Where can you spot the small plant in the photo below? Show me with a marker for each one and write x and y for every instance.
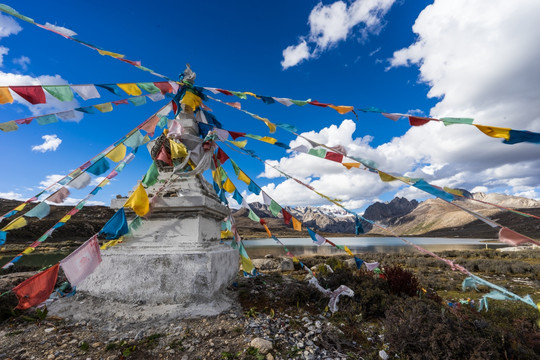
(111, 346)
(228, 355)
(84, 346)
(129, 350)
(238, 330)
(401, 281)
(251, 313)
(177, 344)
(252, 352)
(152, 340)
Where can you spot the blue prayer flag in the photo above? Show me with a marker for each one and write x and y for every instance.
(116, 226)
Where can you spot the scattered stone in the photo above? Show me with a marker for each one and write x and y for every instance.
(139, 335)
(383, 355)
(264, 346)
(48, 330)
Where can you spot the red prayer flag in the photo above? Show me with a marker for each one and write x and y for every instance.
(226, 92)
(123, 101)
(513, 238)
(134, 63)
(32, 94)
(164, 86)
(150, 125)
(316, 103)
(165, 156)
(418, 121)
(333, 156)
(286, 216)
(35, 290)
(24, 121)
(222, 157)
(235, 135)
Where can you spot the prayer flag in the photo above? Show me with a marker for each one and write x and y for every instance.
(254, 188)
(105, 107)
(86, 91)
(236, 196)
(347, 250)
(81, 181)
(138, 100)
(349, 166)
(40, 210)
(46, 119)
(386, 177)
(59, 196)
(283, 101)
(86, 109)
(32, 94)
(150, 125)
(241, 144)
(286, 216)
(149, 87)
(228, 186)
(62, 92)
(99, 167)
(178, 150)
(35, 290)
(496, 132)
(15, 224)
(318, 239)
(341, 108)
(116, 226)
(297, 225)
(267, 200)
(164, 86)
(517, 136)
(222, 156)
(253, 216)
(138, 201)
(112, 88)
(359, 262)
(243, 177)
(430, 189)
(235, 135)
(371, 266)
(135, 140)
(450, 121)
(3, 236)
(317, 152)
(5, 95)
(8, 126)
(130, 89)
(82, 262)
(275, 209)
(110, 53)
(418, 121)
(333, 156)
(513, 238)
(191, 100)
(66, 115)
(394, 117)
(118, 153)
(156, 97)
(300, 102)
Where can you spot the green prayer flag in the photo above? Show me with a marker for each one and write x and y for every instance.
(256, 137)
(253, 216)
(151, 176)
(222, 174)
(149, 87)
(162, 122)
(300, 102)
(13, 12)
(235, 167)
(138, 100)
(275, 209)
(62, 93)
(317, 152)
(239, 94)
(46, 119)
(451, 121)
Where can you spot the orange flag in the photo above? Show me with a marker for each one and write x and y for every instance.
(35, 290)
(297, 225)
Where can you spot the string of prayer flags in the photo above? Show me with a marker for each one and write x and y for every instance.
(138, 201)
(70, 35)
(82, 262)
(35, 290)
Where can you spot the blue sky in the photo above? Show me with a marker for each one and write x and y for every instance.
(459, 59)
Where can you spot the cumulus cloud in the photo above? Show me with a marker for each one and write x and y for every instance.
(332, 23)
(51, 143)
(8, 26)
(22, 61)
(50, 179)
(12, 196)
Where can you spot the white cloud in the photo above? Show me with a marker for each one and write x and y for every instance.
(12, 196)
(51, 143)
(295, 54)
(50, 179)
(332, 23)
(8, 26)
(22, 61)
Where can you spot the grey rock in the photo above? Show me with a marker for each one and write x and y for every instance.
(264, 346)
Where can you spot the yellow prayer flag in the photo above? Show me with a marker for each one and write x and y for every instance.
(453, 191)
(216, 178)
(130, 89)
(111, 243)
(243, 177)
(20, 207)
(240, 144)
(270, 125)
(15, 224)
(295, 260)
(252, 94)
(226, 234)
(28, 250)
(5, 95)
(228, 186)
(349, 166)
(65, 219)
(178, 151)
(342, 109)
(267, 230)
(386, 177)
(110, 53)
(138, 201)
(118, 153)
(247, 265)
(297, 225)
(496, 132)
(268, 139)
(347, 250)
(105, 107)
(191, 100)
